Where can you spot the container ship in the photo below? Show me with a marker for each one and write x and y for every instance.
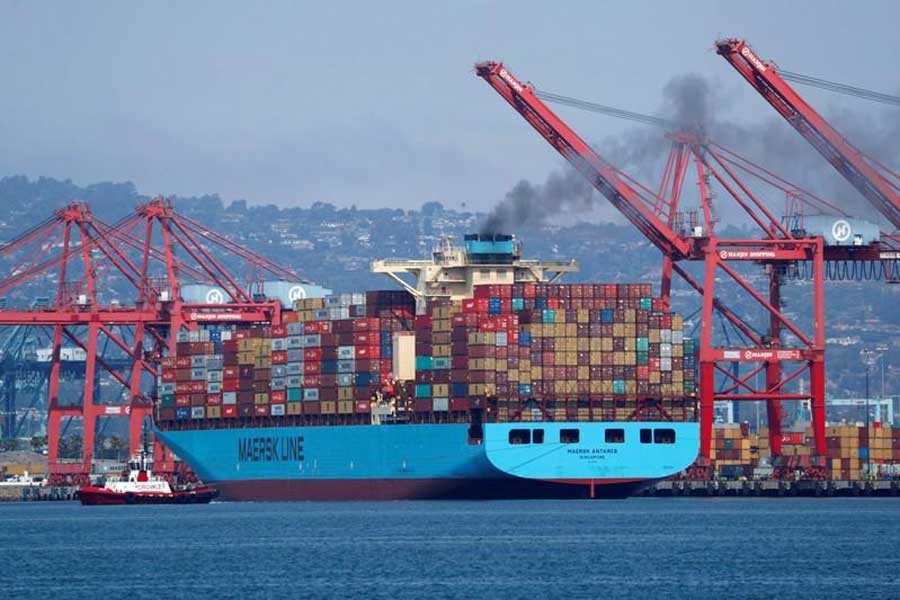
(482, 376)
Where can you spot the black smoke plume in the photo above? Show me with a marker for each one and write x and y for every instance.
(694, 104)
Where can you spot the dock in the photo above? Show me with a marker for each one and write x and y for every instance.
(775, 488)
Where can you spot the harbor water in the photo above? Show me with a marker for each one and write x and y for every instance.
(636, 548)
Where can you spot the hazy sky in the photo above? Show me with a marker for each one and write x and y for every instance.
(374, 103)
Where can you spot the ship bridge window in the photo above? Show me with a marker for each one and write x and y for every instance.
(615, 436)
(519, 436)
(646, 436)
(569, 436)
(537, 436)
(664, 436)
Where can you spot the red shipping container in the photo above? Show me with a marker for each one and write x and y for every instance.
(362, 406)
(313, 380)
(482, 292)
(278, 396)
(312, 354)
(213, 399)
(279, 357)
(229, 385)
(261, 410)
(459, 404)
(312, 408)
(167, 362)
(182, 399)
(230, 372)
(794, 438)
(168, 376)
(183, 362)
(367, 352)
(311, 367)
(279, 331)
(198, 387)
(230, 410)
(366, 338)
(365, 324)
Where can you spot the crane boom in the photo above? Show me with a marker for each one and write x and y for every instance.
(852, 164)
(580, 155)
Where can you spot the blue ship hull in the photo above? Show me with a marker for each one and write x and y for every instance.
(369, 462)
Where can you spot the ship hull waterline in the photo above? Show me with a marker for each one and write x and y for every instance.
(431, 461)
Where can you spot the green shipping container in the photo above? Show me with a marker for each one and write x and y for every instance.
(294, 394)
(423, 390)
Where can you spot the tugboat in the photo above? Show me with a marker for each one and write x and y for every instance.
(142, 487)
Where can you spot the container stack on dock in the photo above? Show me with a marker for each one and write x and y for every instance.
(736, 451)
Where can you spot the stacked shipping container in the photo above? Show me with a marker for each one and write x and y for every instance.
(582, 352)
(325, 358)
(736, 450)
(521, 351)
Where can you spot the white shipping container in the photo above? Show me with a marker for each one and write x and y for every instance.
(277, 410)
(441, 404)
(294, 368)
(229, 397)
(404, 347)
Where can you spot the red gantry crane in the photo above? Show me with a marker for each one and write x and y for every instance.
(781, 350)
(875, 181)
(154, 251)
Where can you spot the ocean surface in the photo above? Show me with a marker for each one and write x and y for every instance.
(637, 548)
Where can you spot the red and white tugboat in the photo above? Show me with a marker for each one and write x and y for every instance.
(141, 487)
